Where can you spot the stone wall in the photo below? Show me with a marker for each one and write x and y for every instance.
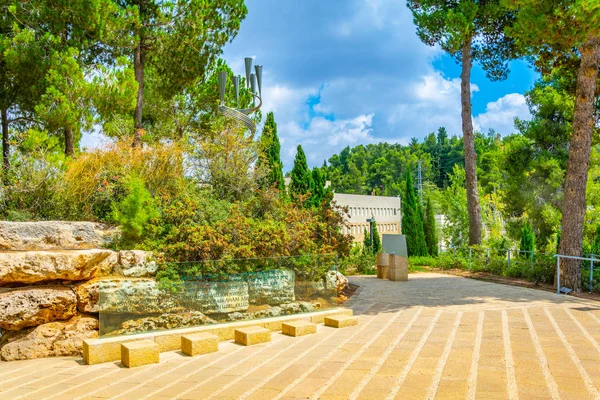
(49, 274)
(58, 286)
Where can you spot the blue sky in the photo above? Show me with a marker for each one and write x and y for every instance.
(346, 72)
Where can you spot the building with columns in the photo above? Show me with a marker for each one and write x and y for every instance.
(384, 209)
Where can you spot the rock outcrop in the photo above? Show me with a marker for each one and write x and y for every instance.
(88, 296)
(43, 266)
(164, 321)
(31, 306)
(53, 339)
(54, 235)
(136, 264)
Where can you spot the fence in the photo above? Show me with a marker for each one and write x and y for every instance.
(534, 266)
(592, 259)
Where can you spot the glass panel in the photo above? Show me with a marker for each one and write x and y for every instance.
(212, 292)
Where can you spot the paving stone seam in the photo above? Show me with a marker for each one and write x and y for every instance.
(472, 382)
(142, 370)
(359, 353)
(68, 378)
(583, 330)
(437, 376)
(413, 357)
(543, 362)
(13, 371)
(511, 380)
(28, 382)
(589, 384)
(285, 349)
(365, 381)
(594, 317)
(297, 342)
(230, 367)
(286, 365)
(189, 362)
(321, 361)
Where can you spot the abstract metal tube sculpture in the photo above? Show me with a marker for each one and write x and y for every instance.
(253, 83)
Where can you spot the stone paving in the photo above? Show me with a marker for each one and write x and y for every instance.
(436, 336)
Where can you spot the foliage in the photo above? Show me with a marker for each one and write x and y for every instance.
(376, 239)
(359, 262)
(134, 211)
(412, 222)
(270, 155)
(527, 240)
(430, 229)
(301, 184)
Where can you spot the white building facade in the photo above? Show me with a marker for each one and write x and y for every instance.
(385, 210)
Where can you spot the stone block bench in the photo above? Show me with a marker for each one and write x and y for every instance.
(108, 349)
(252, 335)
(341, 321)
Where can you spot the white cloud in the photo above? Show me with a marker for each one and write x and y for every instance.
(500, 114)
(323, 137)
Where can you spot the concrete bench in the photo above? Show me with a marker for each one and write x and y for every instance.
(298, 328)
(341, 321)
(200, 343)
(143, 352)
(252, 335)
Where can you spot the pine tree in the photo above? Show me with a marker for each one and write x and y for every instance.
(527, 240)
(412, 223)
(301, 178)
(271, 155)
(430, 229)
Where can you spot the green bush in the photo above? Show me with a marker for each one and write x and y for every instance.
(359, 262)
(134, 211)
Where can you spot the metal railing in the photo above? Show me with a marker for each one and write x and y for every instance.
(593, 258)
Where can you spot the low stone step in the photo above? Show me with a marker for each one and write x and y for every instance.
(252, 335)
(200, 343)
(341, 321)
(298, 328)
(136, 354)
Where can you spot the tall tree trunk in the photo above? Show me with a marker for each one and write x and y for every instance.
(5, 142)
(138, 67)
(574, 206)
(469, 142)
(69, 142)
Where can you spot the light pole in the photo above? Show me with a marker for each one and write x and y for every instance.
(253, 84)
(370, 221)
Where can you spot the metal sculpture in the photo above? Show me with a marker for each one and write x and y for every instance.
(253, 83)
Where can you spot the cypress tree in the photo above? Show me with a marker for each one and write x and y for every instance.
(430, 230)
(366, 242)
(271, 155)
(301, 182)
(527, 240)
(412, 223)
(376, 239)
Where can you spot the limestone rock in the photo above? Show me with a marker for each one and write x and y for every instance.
(87, 296)
(341, 282)
(54, 235)
(110, 265)
(136, 264)
(54, 339)
(271, 287)
(135, 296)
(42, 266)
(164, 321)
(31, 306)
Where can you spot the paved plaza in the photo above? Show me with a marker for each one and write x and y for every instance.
(436, 336)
